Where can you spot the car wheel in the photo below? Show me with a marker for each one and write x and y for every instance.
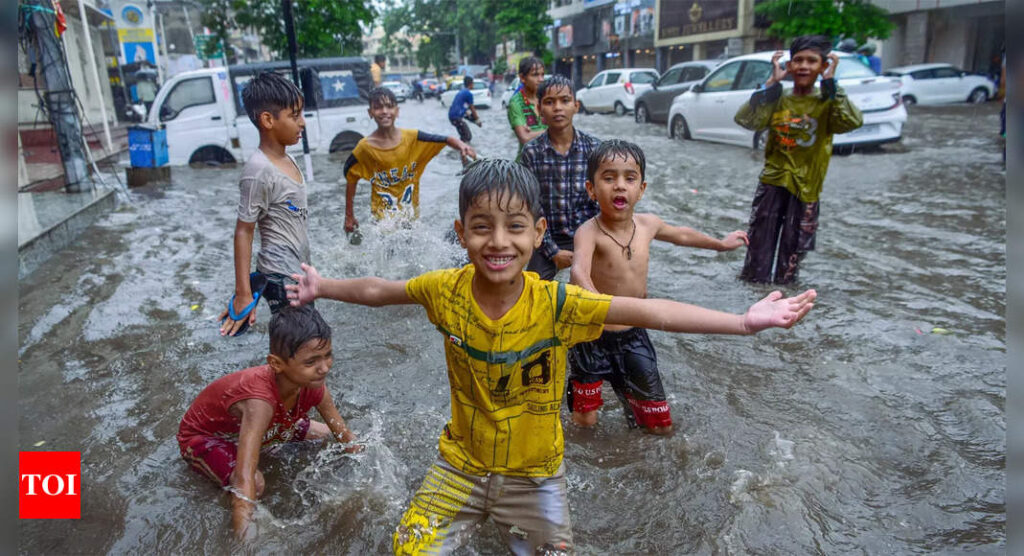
(679, 129)
(620, 109)
(641, 115)
(760, 140)
(211, 155)
(978, 96)
(909, 100)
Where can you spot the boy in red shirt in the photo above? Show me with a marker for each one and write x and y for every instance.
(224, 429)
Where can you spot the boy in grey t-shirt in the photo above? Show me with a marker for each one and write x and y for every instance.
(273, 198)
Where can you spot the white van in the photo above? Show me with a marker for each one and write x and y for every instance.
(205, 121)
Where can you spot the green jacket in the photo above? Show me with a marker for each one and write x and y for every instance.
(800, 130)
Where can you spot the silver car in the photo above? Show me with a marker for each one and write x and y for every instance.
(653, 104)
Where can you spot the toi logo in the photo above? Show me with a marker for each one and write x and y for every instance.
(49, 485)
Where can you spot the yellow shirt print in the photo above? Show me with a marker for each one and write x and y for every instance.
(507, 376)
(394, 174)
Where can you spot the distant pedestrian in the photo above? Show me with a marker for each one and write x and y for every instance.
(462, 109)
(377, 69)
(866, 52)
(522, 107)
(800, 125)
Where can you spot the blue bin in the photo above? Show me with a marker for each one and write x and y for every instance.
(147, 147)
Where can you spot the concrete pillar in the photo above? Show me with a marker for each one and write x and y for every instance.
(659, 59)
(577, 72)
(629, 58)
(915, 45)
(698, 51)
(600, 62)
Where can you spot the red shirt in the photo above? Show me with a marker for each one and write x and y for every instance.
(208, 415)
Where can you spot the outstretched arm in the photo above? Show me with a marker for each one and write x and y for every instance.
(465, 150)
(663, 314)
(583, 256)
(688, 237)
(371, 291)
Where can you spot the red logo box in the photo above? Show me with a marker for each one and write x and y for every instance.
(49, 485)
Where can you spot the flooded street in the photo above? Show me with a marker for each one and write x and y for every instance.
(875, 426)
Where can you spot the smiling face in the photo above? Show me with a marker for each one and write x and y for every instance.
(308, 368)
(286, 125)
(384, 113)
(618, 185)
(558, 107)
(805, 66)
(499, 235)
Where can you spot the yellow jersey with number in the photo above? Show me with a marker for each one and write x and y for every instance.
(507, 376)
(394, 174)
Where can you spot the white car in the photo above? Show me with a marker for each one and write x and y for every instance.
(707, 110)
(397, 87)
(941, 83)
(481, 94)
(615, 90)
(511, 90)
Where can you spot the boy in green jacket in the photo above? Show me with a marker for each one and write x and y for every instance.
(800, 126)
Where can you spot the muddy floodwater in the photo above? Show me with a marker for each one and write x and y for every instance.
(876, 426)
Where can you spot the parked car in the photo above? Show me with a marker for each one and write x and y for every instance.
(615, 90)
(399, 88)
(205, 120)
(481, 94)
(707, 110)
(653, 104)
(941, 83)
(431, 87)
(511, 90)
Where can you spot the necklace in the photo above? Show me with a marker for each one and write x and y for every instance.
(627, 249)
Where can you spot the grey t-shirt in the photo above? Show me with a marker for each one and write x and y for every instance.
(277, 204)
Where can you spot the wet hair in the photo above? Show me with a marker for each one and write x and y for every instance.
(527, 64)
(503, 178)
(269, 92)
(379, 58)
(612, 149)
(819, 43)
(382, 96)
(292, 327)
(467, 82)
(556, 81)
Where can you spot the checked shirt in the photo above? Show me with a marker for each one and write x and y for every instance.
(563, 190)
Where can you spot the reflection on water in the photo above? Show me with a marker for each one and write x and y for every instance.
(857, 431)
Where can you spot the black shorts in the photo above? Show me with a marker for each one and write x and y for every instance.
(627, 360)
(271, 288)
(463, 128)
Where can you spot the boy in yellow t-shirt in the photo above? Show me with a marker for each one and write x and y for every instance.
(392, 160)
(506, 336)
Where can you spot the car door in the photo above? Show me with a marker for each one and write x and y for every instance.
(923, 89)
(588, 96)
(606, 92)
(661, 97)
(752, 75)
(192, 118)
(704, 111)
(948, 85)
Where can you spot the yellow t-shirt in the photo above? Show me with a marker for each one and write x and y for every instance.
(394, 174)
(507, 376)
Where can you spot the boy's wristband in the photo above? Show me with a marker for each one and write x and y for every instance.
(828, 88)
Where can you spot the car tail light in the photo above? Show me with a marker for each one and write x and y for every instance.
(629, 87)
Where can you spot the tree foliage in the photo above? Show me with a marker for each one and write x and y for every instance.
(479, 24)
(322, 27)
(859, 19)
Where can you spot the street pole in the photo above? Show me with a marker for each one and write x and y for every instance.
(289, 29)
(95, 74)
(156, 47)
(60, 98)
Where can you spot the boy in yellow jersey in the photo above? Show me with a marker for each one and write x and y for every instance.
(506, 337)
(392, 160)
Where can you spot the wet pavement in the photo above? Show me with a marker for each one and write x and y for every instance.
(876, 426)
